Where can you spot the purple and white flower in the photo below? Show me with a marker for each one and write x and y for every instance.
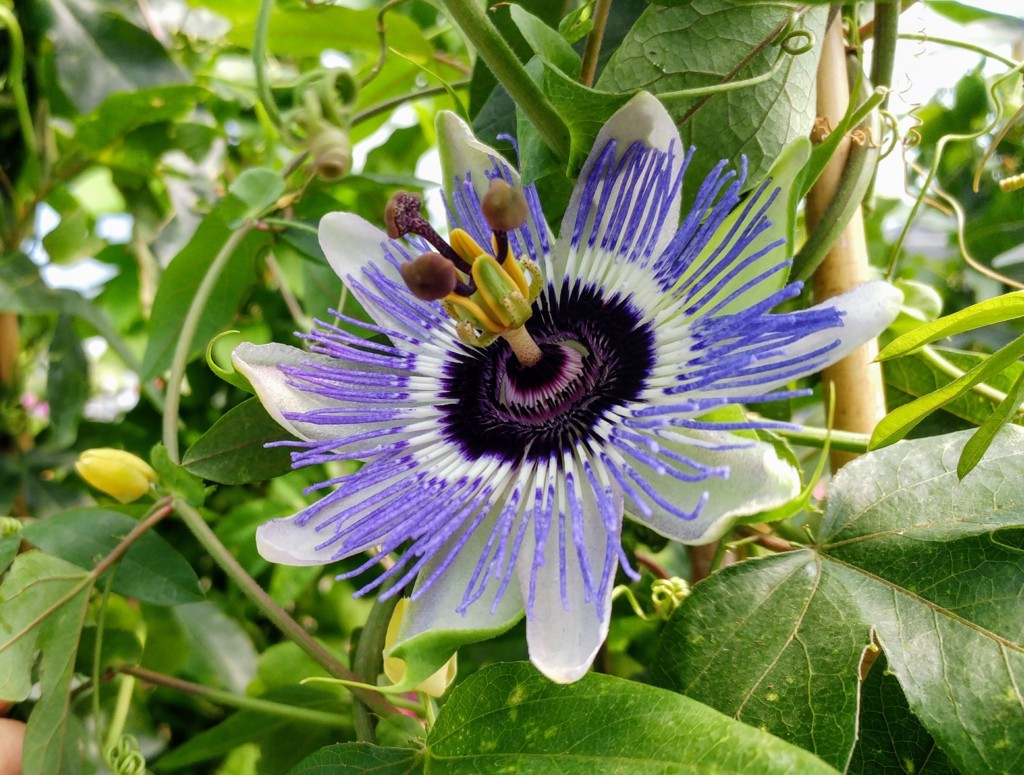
(504, 486)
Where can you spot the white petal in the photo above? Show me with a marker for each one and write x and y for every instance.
(357, 251)
(648, 213)
(289, 542)
(435, 607)
(463, 158)
(564, 635)
(758, 480)
(866, 311)
(260, 362)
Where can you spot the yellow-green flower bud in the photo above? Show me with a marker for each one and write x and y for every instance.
(394, 668)
(119, 474)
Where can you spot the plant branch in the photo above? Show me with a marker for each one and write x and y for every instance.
(259, 60)
(277, 615)
(188, 332)
(501, 59)
(240, 701)
(593, 47)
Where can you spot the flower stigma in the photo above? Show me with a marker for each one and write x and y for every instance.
(494, 295)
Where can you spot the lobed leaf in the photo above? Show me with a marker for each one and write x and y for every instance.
(907, 555)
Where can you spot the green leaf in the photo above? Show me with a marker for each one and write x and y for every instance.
(891, 741)
(982, 439)
(98, 52)
(962, 13)
(67, 383)
(182, 278)
(219, 651)
(306, 30)
(233, 451)
(175, 479)
(905, 554)
(901, 420)
(52, 743)
(546, 42)
(283, 740)
(151, 570)
(510, 718)
(659, 55)
(259, 188)
(1009, 306)
(9, 550)
(122, 113)
(33, 590)
(359, 758)
(119, 647)
(916, 375)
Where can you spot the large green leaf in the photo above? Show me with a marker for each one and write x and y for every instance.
(44, 601)
(757, 121)
(233, 452)
(510, 718)
(359, 758)
(890, 740)
(151, 570)
(99, 52)
(906, 555)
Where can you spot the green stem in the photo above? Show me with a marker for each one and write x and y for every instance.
(719, 88)
(883, 58)
(16, 77)
(960, 44)
(277, 615)
(845, 441)
(188, 333)
(259, 60)
(118, 719)
(240, 701)
(368, 658)
(932, 356)
(97, 653)
(502, 61)
(286, 224)
(593, 47)
(388, 105)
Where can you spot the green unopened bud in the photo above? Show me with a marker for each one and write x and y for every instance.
(504, 207)
(394, 668)
(430, 277)
(119, 474)
(9, 526)
(331, 152)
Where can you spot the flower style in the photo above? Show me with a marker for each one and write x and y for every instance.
(504, 466)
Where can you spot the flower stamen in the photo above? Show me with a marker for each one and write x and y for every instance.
(495, 299)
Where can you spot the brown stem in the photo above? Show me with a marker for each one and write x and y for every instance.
(593, 47)
(859, 389)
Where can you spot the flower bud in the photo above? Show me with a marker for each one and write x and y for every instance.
(331, 152)
(504, 207)
(430, 277)
(119, 474)
(394, 668)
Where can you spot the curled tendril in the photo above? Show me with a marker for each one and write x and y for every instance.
(790, 46)
(123, 757)
(9, 526)
(894, 132)
(668, 594)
